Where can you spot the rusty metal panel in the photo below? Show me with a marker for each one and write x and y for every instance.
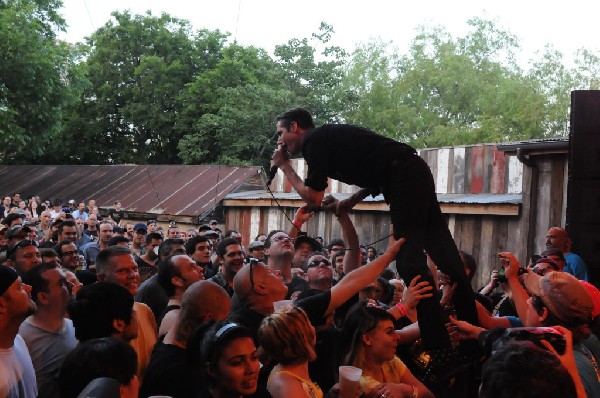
(160, 189)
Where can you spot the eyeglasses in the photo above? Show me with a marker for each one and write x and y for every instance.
(282, 238)
(70, 253)
(316, 263)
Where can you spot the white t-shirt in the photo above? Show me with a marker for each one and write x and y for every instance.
(17, 377)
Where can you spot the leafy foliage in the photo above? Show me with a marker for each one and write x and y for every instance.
(150, 89)
(32, 88)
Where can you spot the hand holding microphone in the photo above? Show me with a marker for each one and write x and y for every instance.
(280, 156)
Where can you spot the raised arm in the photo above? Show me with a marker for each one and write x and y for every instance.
(349, 236)
(347, 204)
(356, 280)
(519, 294)
(303, 214)
(281, 159)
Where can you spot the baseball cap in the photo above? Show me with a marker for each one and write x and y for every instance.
(212, 222)
(18, 231)
(211, 233)
(316, 247)
(563, 294)
(72, 202)
(256, 244)
(7, 276)
(150, 222)
(595, 295)
(140, 226)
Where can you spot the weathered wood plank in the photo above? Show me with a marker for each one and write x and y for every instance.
(468, 169)
(458, 179)
(515, 175)
(443, 169)
(477, 169)
(497, 183)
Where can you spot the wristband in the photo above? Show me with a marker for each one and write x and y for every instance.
(402, 309)
(297, 224)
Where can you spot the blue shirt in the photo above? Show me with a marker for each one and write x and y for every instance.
(576, 267)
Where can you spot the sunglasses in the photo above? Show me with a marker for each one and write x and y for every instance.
(252, 262)
(20, 244)
(316, 263)
(26, 242)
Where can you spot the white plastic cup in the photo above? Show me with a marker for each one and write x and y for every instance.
(349, 381)
(282, 304)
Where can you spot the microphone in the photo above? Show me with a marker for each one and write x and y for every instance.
(273, 169)
(272, 174)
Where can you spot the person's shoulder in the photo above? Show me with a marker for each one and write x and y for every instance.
(572, 257)
(142, 309)
(284, 384)
(19, 343)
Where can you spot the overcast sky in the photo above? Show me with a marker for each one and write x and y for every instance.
(264, 23)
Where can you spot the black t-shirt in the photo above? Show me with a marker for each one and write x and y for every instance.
(323, 370)
(153, 295)
(93, 233)
(86, 277)
(168, 373)
(351, 154)
(315, 307)
(296, 285)
(117, 216)
(145, 270)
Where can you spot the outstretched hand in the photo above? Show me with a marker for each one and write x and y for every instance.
(344, 206)
(415, 292)
(329, 203)
(462, 330)
(303, 214)
(394, 245)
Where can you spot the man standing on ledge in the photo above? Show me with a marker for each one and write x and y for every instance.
(377, 164)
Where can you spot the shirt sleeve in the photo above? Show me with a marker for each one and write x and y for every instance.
(315, 307)
(317, 160)
(515, 321)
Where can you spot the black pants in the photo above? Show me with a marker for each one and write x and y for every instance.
(416, 216)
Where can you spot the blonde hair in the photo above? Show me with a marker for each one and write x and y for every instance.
(287, 336)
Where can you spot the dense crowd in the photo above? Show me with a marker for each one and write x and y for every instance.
(98, 307)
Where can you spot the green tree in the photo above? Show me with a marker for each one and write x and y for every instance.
(446, 91)
(138, 68)
(314, 77)
(241, 132)
(240, 98)
(32, 69)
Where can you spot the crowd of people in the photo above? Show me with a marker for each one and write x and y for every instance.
(96, 309)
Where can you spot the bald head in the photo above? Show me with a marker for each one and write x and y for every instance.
(203, 301)
(242, 286)
(557, 237)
